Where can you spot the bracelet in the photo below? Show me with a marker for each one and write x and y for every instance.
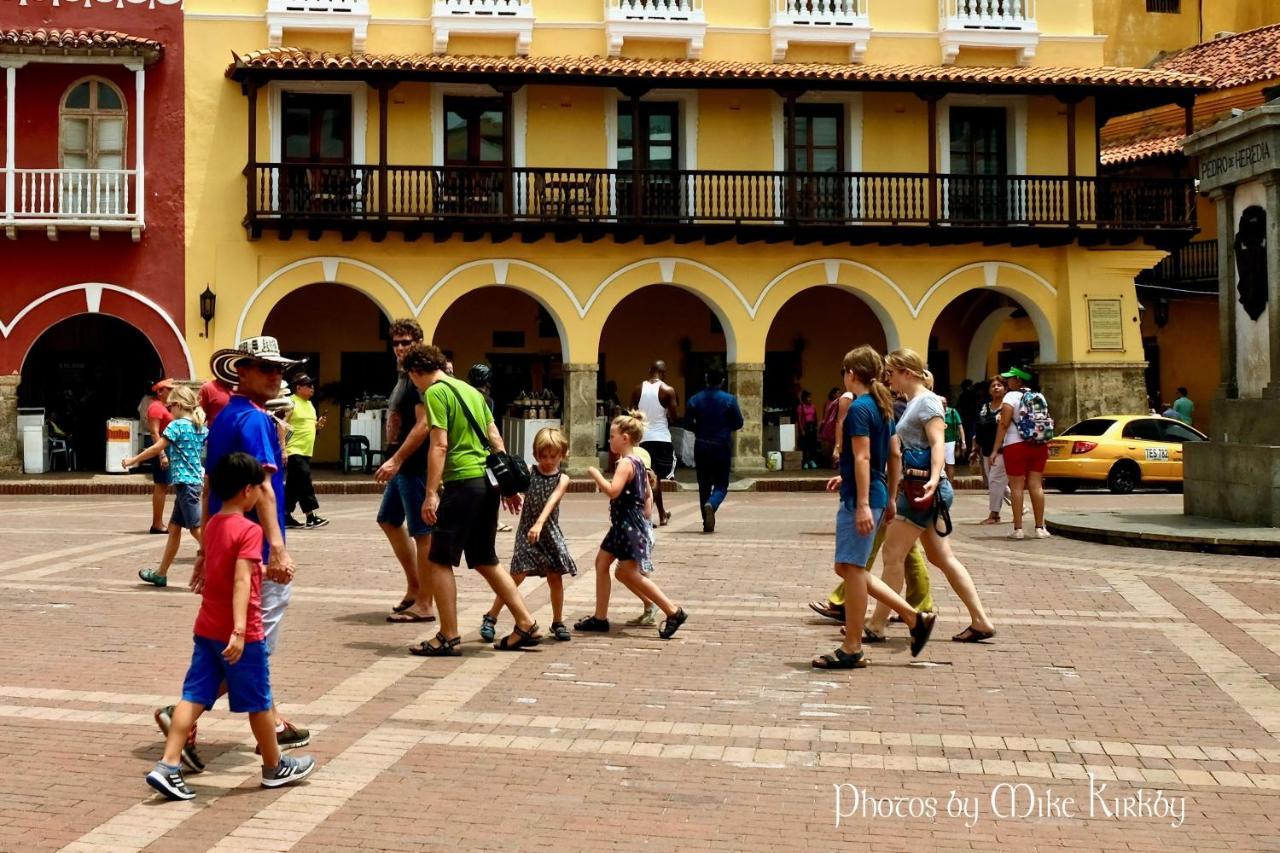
(238, 634)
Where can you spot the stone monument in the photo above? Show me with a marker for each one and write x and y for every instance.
(1236, 475)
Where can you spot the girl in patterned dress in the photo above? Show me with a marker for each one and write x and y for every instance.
(540, 548)
(628, 539)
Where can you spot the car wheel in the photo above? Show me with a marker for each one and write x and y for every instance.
(1067, 487)
(1124, 477)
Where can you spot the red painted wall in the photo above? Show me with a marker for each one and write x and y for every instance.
(32, 265)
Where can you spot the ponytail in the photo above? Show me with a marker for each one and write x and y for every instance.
(866, 364)
(884, 400)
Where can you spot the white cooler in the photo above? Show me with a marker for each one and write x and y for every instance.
(34, 459)
(120, 440)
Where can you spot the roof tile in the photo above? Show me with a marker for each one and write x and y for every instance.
(1134, 150)
(89, 41)
(1231, 61)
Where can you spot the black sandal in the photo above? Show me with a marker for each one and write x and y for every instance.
(447, 648)
(869, 636)
(972, 635)
(840, 659)
(920, 633)
(405, 604)
(524, 639)
(560, 632)
(591, 623)
(672, 624)
(827, 609)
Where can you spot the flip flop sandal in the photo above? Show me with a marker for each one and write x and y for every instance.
(869, 636)
(672, 624)
(840, 659)
(591, 623)
(560, 632)
(406, 618)
(920, 633)
(488, 624)
(446, 649)
(524, 639)
(824, 608)
(989, 520)
(405, 604)
(972, 635)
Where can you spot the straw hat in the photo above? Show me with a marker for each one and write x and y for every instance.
(262, 348)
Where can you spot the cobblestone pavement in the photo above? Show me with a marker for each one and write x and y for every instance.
(1142, 671)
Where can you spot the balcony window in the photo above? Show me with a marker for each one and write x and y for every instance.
(482, 18)
(655, 20)
(843, 23)
(318, 16)
(988, 24)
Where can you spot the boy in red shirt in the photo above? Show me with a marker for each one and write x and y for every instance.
(229, 635)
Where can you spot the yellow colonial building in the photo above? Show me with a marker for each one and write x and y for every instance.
(569, 189)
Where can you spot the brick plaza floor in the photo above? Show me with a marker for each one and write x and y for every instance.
(1144, 670)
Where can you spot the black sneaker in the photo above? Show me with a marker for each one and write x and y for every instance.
(292, 737)
(291, 523)
(170, 783)
(289, 771)
(191, 758)
(314, 521)
(708, 518)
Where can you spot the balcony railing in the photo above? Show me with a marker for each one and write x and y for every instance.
(832, 22)
(419, 198)
(66, 196)
(318, 15)
(482, 18)
(988, 24)
(661, 20)
(1194, 268)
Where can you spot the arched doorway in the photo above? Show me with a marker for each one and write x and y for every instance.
(514, 334)
(664, 322)
(84, 370)
(978, 334)
(807, 340)
(343, 335)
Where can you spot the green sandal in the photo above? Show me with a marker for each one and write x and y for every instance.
(153, 578)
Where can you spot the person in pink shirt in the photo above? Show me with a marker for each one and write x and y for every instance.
(215, 394)
(807, 430)
(158, 417)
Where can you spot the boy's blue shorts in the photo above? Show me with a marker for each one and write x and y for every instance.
(248, 680)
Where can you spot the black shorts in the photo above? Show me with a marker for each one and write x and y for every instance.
(466, 523)
(663, 456)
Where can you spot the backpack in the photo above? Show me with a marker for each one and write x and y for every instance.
(827, 432)
(1032, 419)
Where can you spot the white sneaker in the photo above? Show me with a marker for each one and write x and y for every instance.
(1017, 534)
(1043, 533)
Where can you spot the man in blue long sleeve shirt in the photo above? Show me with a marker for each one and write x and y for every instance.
(714, 416)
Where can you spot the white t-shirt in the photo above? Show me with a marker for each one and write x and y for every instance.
(1012, 399)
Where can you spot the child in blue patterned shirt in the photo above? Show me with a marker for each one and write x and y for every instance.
(183, 442)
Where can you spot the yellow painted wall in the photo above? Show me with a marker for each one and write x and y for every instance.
(1138, 37)
(1189, 353)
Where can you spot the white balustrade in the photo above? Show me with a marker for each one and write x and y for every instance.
(658, 20)
(482, 18)
(988, 24)
(75, 196)
(482, 7)
(318, 15)
(833, 13)
(331, 7)
(89, 4)
(842, 23)
(656, 10)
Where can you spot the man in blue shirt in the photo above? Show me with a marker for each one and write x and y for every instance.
(715, 417)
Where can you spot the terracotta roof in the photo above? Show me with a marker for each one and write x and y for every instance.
(294, 59)
(1131, 151)
(71, 42)
(1231, 61)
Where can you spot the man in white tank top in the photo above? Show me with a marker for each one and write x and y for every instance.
(657, 401)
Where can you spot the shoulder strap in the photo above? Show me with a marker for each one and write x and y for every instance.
(475, 427)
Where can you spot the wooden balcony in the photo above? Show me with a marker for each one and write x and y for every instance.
(1192, 269)
(714, 206)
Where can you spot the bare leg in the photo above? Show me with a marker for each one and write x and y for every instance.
(604, 560)
(939, 553)
(444, 587)
(1016, 487)
(897, 542)
(855, 605)
(158, 493)
(171, 545)
(423, 604)
(555, 583)
(185, 715)
(197, 533)
(263, 724)
(1035, 485)
(496, 609)
(629, 575)
(402, 547)
(501, 582)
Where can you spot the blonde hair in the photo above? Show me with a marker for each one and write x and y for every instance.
(631, 425)
(550, 438)
(928, 379)
(910, 361)
(867, 365)
(185, 399)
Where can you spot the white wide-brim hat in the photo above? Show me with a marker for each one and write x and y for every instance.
(263, 348)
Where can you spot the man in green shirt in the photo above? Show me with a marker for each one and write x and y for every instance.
(1184, 407)
(953, 436)
(464, 519)
(299, 449)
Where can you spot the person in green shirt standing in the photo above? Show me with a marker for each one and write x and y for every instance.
(953, 436)
(298, 488)
(462, 501)
(1184, 407)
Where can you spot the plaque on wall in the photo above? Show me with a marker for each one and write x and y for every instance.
(1251, 261)
(1106, 324)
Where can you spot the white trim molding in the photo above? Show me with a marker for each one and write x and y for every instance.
(687, 100)
(319, 16)
(998, 24)
(843, 23)
(359, 93)
(519, 121)
(482, 18)
(668, 20)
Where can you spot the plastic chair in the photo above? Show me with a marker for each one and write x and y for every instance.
(61, 447)
(357, 446)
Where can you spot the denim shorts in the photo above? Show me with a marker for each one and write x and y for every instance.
(159, 473)
(402, 501)
(186, 506)
(248, 679)
(924, 518)
(851, 546)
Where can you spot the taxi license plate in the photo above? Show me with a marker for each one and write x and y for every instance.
(1158, 454)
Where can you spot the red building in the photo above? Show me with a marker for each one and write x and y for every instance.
(91, 259)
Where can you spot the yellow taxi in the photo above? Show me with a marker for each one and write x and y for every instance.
(1123, 451)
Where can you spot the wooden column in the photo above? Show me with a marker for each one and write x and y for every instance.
(1073, 190)
(508, 147)
(789, 146)
(931, 101)
(636, 135)
(251, 168)
(383, 204)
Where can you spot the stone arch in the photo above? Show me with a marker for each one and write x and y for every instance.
(139, 311)
(385, 292)
(547, 289)
(880, 293)
(715, 289)
(1036, 295)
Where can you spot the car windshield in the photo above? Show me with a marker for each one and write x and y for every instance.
(1179, 433)
(1093, 426)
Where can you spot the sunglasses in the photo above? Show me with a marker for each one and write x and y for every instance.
(404, 342)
